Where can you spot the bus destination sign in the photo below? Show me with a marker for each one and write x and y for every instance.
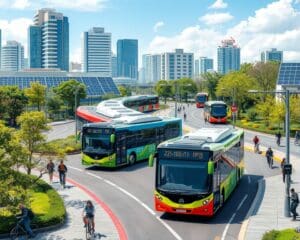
(173, 154)
(100, 131)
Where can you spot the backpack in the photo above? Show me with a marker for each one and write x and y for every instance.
(61, 168)
(30, 214)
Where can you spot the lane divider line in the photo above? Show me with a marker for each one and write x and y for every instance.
(145, 206)
(120, 229)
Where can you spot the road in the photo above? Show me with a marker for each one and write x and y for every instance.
(129, 193)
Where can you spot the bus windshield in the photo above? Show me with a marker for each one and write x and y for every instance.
(183, 176)
(96, 140)
(218, 110)
(202, 98)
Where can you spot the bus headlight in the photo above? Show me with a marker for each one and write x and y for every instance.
(205, 202)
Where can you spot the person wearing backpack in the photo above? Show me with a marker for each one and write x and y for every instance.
(26, 217)
(294, 203)
(62, 170)
(50, 169)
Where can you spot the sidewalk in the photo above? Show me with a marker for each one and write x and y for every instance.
(74, 195)
(267, 212)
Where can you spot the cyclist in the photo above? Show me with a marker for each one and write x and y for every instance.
(269, 155)
(25, 220)
(278, 137)
(256, 144)
(89, 213)
(184, 116)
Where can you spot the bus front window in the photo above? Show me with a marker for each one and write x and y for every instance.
(218, 110)
(96, 144)
(183, 176)
(201, 99)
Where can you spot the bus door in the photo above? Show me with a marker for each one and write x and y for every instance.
(160, 135)
(121, 148)
(216, 184)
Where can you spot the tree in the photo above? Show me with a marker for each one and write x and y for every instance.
(210, 82)
(69, 90)
(295, 109)
(235, 86)
(30, 135)
(277, 115)
(54, 104)
(124, 91)
(36, 94)
(186, 87)
(163, 89)
(265, 109)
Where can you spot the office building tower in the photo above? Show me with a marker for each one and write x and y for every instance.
(156, 68)
(127, 58)
(12, 56)
(176, 65)
(228, 56)
(151, 65)
(75, 67)
(203, 65)
(272, 55)
(96, 48)
(0, 46)
(114, 66)
(48, 40)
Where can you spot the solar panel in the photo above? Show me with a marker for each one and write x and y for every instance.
(96, 86)
(289, 74)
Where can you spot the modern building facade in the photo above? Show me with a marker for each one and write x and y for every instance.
(96, 48)
(114, 66)
(151, 65)
(12, 56)
(272, 55)
(0, 46)
(48, 40)
(229, 58)
(176, 65)
(203, 65)
(127, 58)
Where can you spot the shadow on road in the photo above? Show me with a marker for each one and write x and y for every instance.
(126, 168)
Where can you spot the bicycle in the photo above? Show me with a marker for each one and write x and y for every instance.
(18, 232)
(89, 231)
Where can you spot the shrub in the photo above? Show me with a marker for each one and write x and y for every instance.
(288, 234)
(252, 114)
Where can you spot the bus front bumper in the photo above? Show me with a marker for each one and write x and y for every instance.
(109, 161)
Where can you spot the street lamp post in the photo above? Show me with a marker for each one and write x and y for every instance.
(75, 107)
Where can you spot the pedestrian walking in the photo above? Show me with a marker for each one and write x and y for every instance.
(62, 170)
(278, 138)
(294, 203)
(297, 137)
(269, 155)
(256, 144)
(282, 169)
(50, 169)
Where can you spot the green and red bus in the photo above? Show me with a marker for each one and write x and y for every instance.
(200, 99)
(142, 103)
(195, 174)
(215, 112)
(126, 140)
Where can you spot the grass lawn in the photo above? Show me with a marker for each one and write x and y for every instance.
(288, 234)
(46, 204)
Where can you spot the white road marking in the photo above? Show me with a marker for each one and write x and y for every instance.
(249, 180)
(75, 168)
(167, 226)
(232, 217)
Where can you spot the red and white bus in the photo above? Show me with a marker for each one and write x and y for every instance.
(215, 112)
(143, 103)
(200, 99)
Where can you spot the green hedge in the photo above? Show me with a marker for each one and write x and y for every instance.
(288, 234)
(68, 144)
(54, 207)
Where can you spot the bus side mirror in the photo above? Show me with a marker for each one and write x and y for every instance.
(112, 138)
(151, 160)
(210, 167)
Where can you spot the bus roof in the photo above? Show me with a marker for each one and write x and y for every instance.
(139, 97)
(209, 103)
(202, 93)
(134, 121)
(205, 139)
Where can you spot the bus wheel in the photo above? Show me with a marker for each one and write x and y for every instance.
(222, 200)
(132, 159)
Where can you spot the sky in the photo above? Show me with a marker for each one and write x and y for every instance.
(197, 26)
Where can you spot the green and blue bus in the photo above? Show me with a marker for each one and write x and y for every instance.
(196, 173)
(126, 140)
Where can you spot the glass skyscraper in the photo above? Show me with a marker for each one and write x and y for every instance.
(48, 40)
(0, 46)
(12, 56)
(228, 56)
(114, 66)
(127, 58)
(151, 68)
(97, 51)
(202, 65)
(272, 55)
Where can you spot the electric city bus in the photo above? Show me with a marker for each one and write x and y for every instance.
(215, 112)
(200, 99)
(195, 174)
(143, 103)
(126, 140)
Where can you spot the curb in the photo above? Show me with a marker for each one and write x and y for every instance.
(60, 123)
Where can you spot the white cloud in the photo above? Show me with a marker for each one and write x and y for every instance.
(275, 26)
(216, 18)
(158, 25)
(79, 5)
(218, 4)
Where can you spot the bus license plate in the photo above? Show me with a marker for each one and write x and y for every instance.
(180, 210)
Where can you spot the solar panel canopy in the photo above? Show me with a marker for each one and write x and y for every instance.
(96, 86)
(289, 75)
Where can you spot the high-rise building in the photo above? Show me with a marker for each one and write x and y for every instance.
(0, 45)
(97, 51)
(127, 58)
(203, 65)
(151, 68)
(114, 66)
(228, 56)
(272, 55)
(48, 40)
(12, 56)
(75, 67)
(176, 65)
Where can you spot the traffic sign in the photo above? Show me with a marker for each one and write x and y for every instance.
(234, 108)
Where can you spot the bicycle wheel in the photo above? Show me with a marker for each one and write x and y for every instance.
(14, 233)
(18, 233)
(88, 231)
